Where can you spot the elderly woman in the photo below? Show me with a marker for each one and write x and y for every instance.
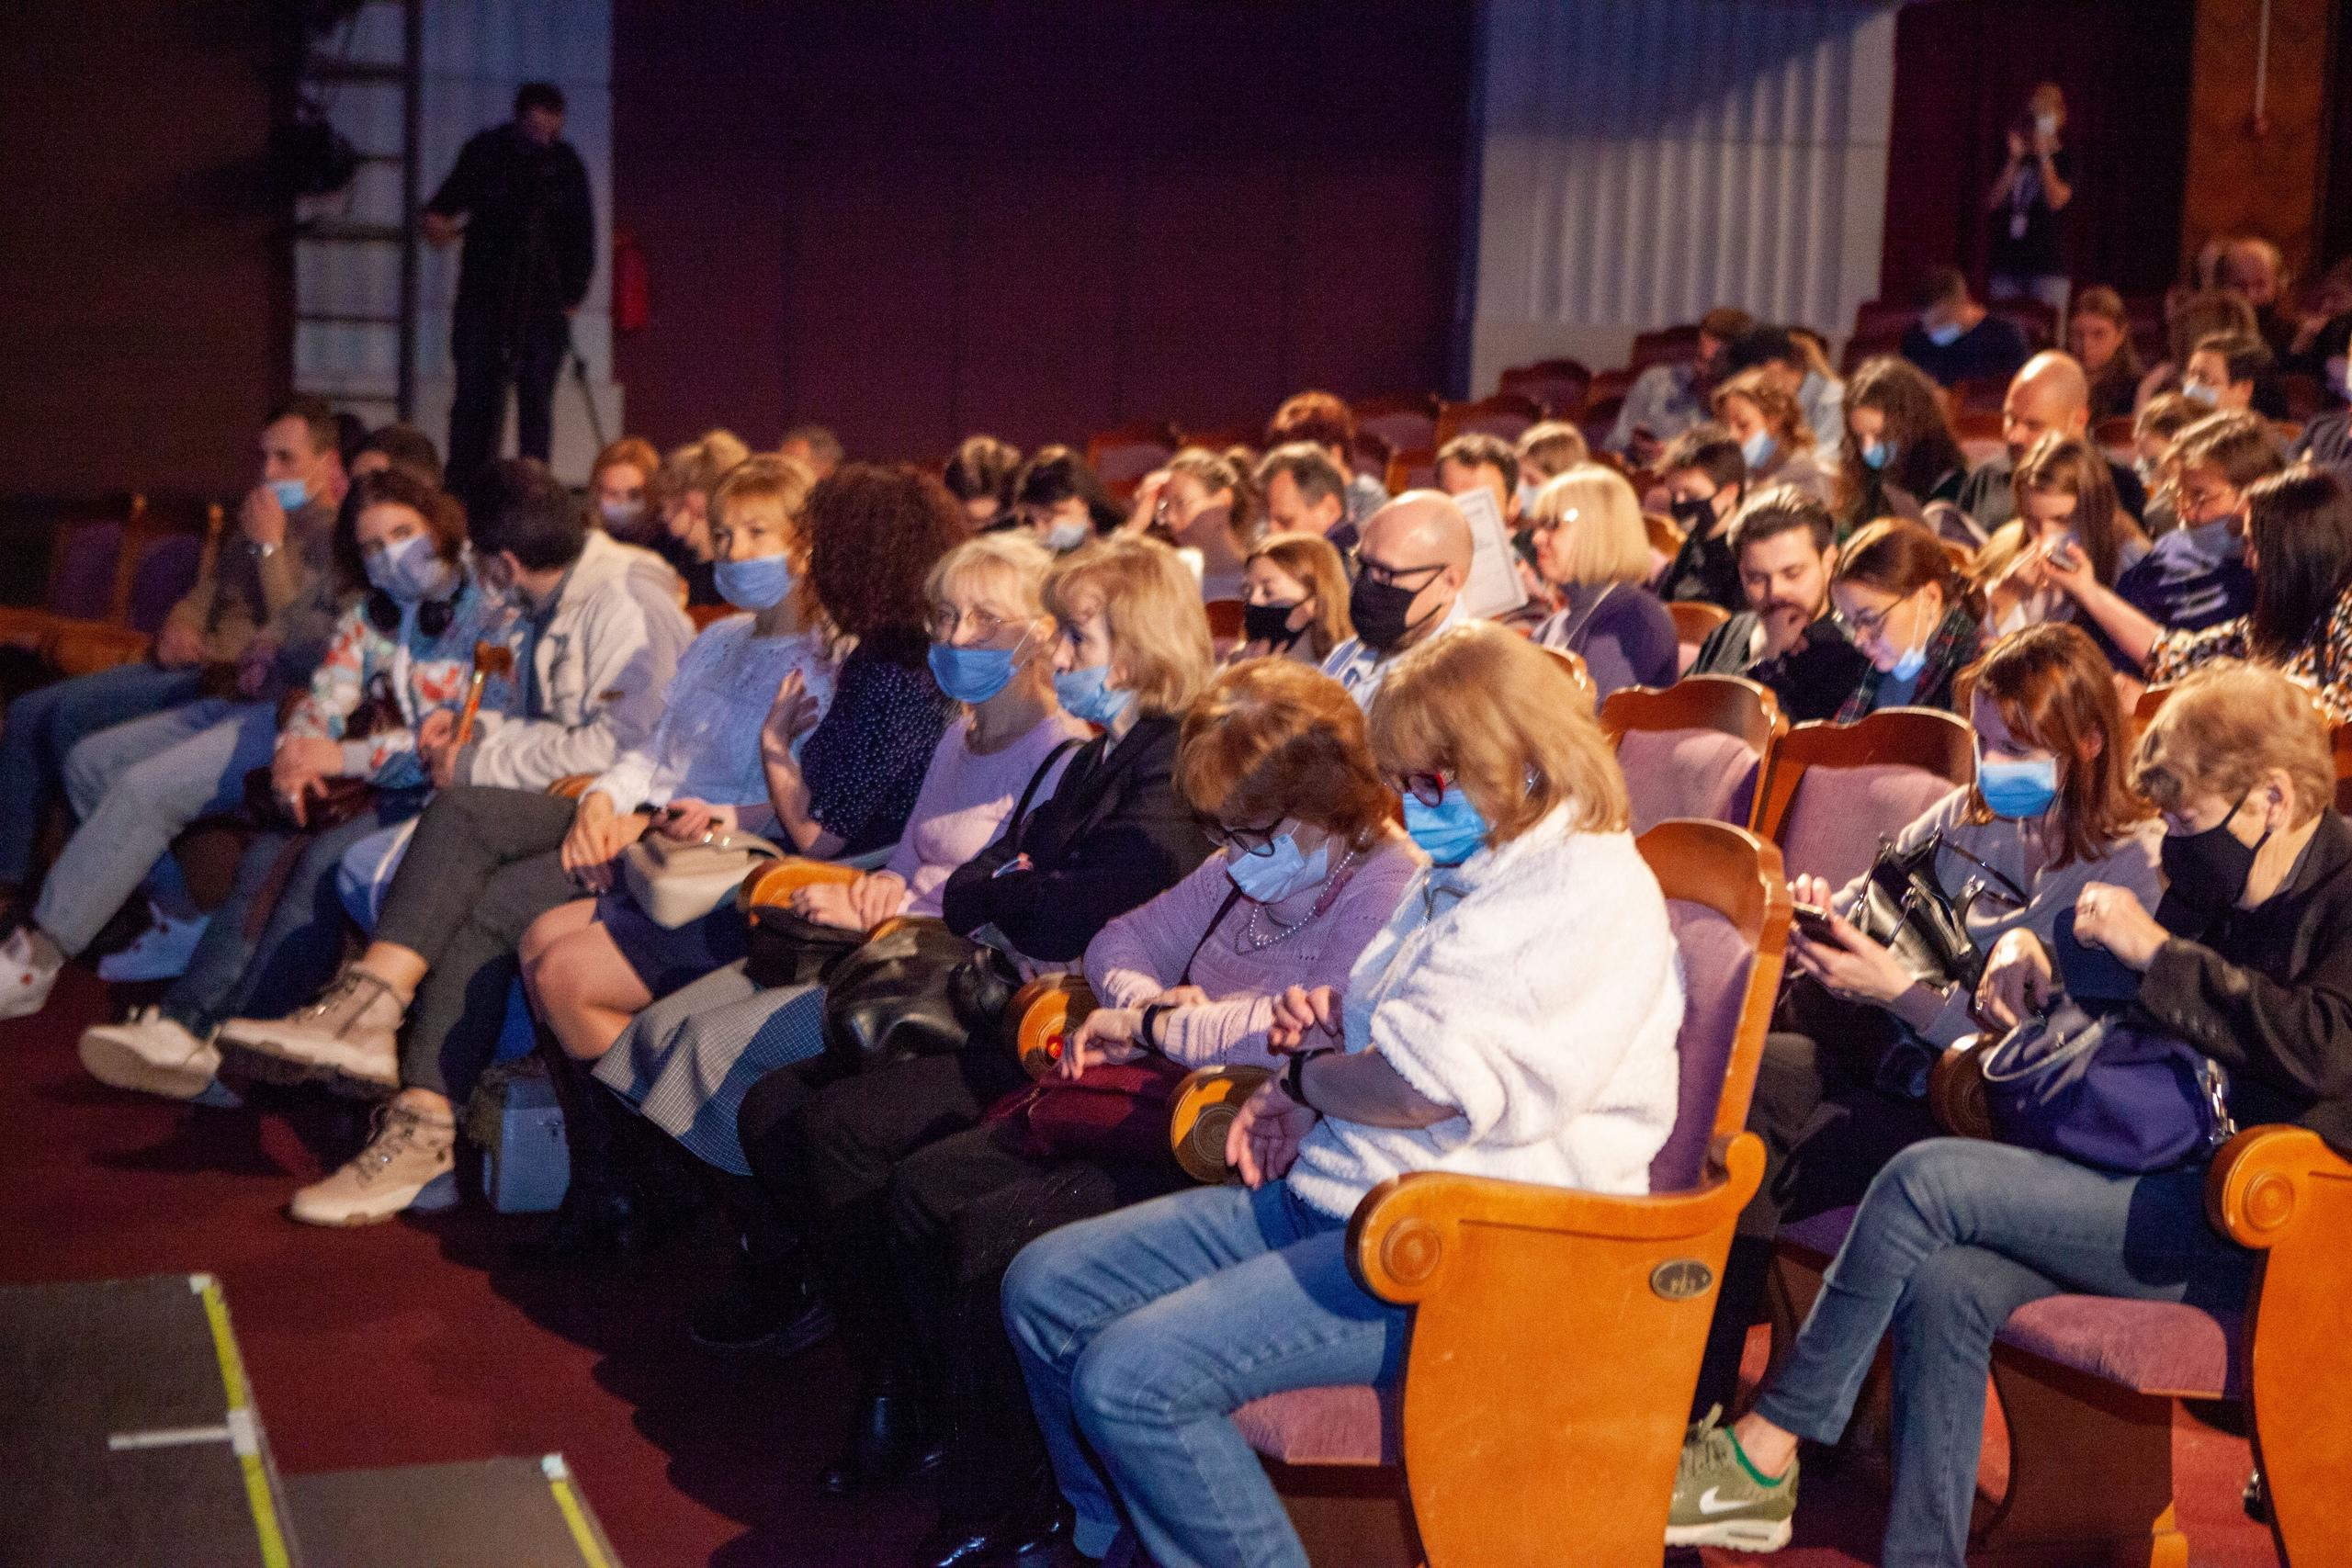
(1592, 551)
(1275, 760)
(1294, 600)
(1516, 1018)
(2249, 965)
(1131, 653)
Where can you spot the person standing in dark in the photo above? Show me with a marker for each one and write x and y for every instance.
(519, 196)
(2027, 258)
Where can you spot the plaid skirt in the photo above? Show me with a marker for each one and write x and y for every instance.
(687, 1061)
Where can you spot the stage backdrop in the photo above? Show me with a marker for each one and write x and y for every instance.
(913, 222)
(1646, 160)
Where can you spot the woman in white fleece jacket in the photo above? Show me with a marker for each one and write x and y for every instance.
(1517, 1019)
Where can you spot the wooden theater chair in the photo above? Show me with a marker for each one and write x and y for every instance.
(1836, 790)
(1701, 747)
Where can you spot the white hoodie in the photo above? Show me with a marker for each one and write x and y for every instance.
(1536, 988)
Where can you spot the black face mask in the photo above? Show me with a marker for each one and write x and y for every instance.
(1269, 624)
(2205, 873)
(1695, 515)
(1379, 611)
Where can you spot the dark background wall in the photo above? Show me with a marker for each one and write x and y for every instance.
(142, 304)
(913, 221)
(1963, 68)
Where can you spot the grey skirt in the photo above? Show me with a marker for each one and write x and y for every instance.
(687, 1061)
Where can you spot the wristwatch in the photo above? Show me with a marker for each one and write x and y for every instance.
(1295, 1075)
(260, 551)
(1148, 1031)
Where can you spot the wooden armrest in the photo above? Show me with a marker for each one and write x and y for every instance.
(1401, 1238)
(84, 648)
(571, 786)
(1202, 1113)
(1044, 1010)
(772, 883)
(2263, 1183)
(1956, 1089)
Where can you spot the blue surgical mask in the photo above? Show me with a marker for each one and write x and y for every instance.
(1279, 873)
(758, 584)
(971, 674)
(1945, 334)
(624, 514)
(2018, 791)
(292, 494)
(1527, 488)
(1449, 832)
(2201, 394)
(1758, 449)
(1086, 693)
(1877, 455)
(2146, 469)
(410, 572)
(1066, 535)
(1908, 665)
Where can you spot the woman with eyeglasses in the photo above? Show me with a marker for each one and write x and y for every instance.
(1310, 867)
(1840, 1086)
(1131, 652)
(686, 1061)
(1516, 1018)
(1912, 612)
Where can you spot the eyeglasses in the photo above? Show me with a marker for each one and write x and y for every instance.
(1391, 576)
(1547, 524)
(946, 621)
(1868, 622)
(1428, 789)
(1248, 841)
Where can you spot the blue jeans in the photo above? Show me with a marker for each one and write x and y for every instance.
(44, 724)
(1143, 1331)
(1953, 1235)
(262, 957)
(135, 788)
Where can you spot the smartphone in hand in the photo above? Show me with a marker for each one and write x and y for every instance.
(1814, 924)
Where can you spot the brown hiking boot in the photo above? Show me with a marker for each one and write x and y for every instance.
(351, 1035)
(409, 1163)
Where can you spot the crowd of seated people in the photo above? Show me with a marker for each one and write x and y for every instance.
(1239, 750)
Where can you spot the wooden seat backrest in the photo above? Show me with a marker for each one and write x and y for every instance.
(1507, 414)
(1920, 738)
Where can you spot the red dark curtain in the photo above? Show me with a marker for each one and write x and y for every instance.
(1963, 68)
(913, 221)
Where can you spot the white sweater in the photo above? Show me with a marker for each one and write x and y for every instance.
(1536, 989)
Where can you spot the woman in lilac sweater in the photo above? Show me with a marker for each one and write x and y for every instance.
(1275, 759)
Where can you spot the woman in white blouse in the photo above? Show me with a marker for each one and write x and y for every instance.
(1517, 1019)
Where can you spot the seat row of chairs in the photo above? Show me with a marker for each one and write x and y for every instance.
(111, 581)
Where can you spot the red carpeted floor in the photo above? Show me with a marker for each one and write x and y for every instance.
(418, 1341)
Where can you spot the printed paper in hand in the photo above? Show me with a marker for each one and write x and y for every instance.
(1494, 588)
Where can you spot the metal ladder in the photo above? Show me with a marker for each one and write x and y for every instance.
(356, 255)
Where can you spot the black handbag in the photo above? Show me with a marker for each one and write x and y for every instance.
(896, 997)
(785, 949)
(1907, 910)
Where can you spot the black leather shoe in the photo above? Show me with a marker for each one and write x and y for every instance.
(1027, 1534)
(886, 1441)
(767, 1306)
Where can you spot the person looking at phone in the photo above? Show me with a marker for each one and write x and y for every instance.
(1840, 1088)
(1668, 399)
(2066, 517)
(1784, 543)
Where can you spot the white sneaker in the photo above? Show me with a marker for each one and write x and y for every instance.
(151, 1054)
(163, 951)
(26, 979)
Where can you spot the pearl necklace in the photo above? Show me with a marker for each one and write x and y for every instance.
(1283, 932)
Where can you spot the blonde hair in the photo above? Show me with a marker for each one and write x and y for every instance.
(1550, 449)
(1151, 604)
(1781, 414)
(1317, 565)
(1008, 562)
(2223, 728)
(634, 450)
(701, 463)
(1607, 541)
(1505, 719)
(782, 482)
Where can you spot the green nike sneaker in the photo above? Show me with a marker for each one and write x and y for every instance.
(1719, 1500)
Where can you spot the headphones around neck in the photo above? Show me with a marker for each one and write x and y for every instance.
(434, 616)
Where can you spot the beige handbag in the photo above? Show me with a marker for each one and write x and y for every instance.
(677, 883)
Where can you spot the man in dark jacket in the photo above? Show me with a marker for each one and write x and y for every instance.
(530, 244)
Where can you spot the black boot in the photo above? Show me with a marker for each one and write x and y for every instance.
(1027, 1531)
(888, 1437)
(769, 1304)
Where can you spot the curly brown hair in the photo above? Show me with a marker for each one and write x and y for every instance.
(872, 533)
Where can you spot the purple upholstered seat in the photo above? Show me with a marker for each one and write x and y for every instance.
(2148, 1347)
(1687, 772)
(167, 571)
(1716, 959)
(1353, 1425)
(1839, 815)
(81, 587)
